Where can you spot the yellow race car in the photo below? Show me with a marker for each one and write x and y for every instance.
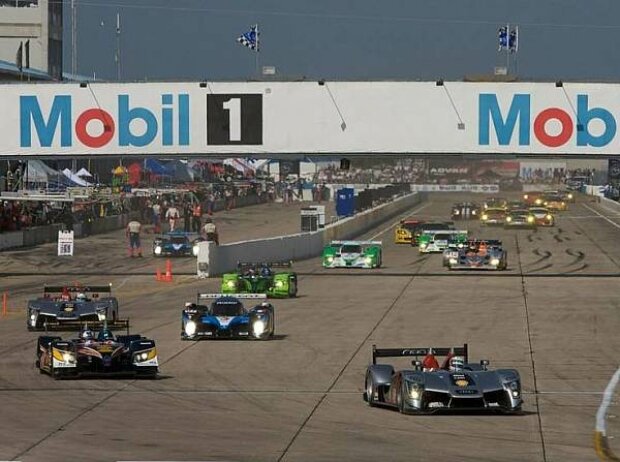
(404, 231)
(555, 203)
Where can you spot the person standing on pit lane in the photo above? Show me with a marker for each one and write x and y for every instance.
(133, 238)
(172, 215)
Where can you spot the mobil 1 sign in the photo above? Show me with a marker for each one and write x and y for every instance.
(234, 119)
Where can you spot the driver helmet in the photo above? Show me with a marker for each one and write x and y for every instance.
(105, 334)
(457, 363)
(87, 334)
(472, 247)
(81, 296)
(265, 271)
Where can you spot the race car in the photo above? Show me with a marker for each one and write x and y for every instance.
(520, 219)
(495, 203)
(555, 203)
(566, 196)
(542, 216)
(352, 254)
(260, 278)
(176, 244)
(533, 198)
(438, 241)
(430, 226)
(426, 387)
(516, 205)
(69, 307)
(477, 254)
(465, 211)
(97, 355)
(493, 216)
(226, 317)
(403, 234)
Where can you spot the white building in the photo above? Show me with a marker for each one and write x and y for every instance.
(38, 23)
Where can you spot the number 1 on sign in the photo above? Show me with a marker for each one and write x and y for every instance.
(233, 105)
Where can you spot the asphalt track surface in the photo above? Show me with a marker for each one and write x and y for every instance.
(554, 316)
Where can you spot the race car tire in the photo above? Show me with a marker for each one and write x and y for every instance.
(370, 392)
(400, 401)
(292, 289)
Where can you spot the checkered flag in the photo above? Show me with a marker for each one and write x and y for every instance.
(250, 38)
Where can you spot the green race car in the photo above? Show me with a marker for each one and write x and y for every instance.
(438, 241)
(352, 254)
(260, 278)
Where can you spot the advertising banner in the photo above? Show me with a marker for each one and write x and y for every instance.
(265, 119)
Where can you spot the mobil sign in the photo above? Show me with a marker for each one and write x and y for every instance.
(65, 122)
(520, 120)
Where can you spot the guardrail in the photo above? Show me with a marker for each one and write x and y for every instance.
(224, 258)
(601, 443)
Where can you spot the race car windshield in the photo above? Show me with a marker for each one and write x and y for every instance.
(409, 226)
(227, 309)
(178, 240)
(442, 237)
(351, 249)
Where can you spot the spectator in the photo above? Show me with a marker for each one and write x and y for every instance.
(172, 215)
(196, 217)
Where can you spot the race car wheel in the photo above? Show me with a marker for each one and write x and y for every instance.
(370, 392)
(292, 289)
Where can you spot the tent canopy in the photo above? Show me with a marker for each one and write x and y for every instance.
(84, 173)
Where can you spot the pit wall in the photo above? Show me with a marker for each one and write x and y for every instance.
(224, 258)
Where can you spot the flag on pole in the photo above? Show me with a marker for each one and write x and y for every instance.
(513, 40)
(502, 35)
(250, 38)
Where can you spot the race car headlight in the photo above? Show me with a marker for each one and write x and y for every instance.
(474, 212)
(570, 196)
(525, 196)
(195, 250)
(484, 216)
(515, 389)
(147, 355)
(549, 217)
(157, 250)
(190, 328)
(563, 204)
(415, 390)
(330, 259)
(101, 315)
(279, 284)
(368, 260)
(494, 261)
(530, 219)
(423, 245)
(453, 261)
(508, 219)
(33, 317)
(456, 212)
(230, 284)
(538, 201)
(258, 327)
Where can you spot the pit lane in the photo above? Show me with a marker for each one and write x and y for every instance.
(298, 397)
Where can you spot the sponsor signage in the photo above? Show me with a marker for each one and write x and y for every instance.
(267, 119)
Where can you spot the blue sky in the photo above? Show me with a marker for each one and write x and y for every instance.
(346, 39)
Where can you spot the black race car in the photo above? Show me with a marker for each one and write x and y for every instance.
(69, 307)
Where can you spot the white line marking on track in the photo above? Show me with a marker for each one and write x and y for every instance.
(602, 216)
(398, 221)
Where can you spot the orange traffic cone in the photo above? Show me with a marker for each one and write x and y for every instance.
(168, 276)
(158, 275)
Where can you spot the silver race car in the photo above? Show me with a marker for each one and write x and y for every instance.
(456, 385)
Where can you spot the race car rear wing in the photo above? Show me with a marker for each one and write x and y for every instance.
(451, 232)
(239, 296)
(356, 242)
(75, 289)
(270, 264)
(437, 351)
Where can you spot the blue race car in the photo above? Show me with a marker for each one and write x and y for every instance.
(226, 317)
(176, 244)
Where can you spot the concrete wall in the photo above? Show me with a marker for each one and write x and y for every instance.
(224, 258)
